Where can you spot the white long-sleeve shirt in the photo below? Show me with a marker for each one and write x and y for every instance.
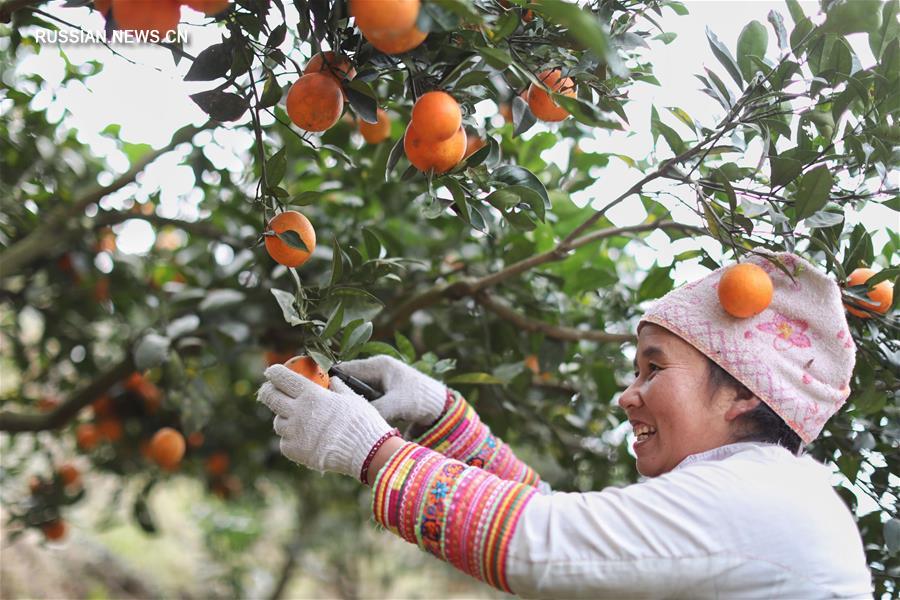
(745, 520)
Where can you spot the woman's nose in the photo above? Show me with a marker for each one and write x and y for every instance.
(630, 398)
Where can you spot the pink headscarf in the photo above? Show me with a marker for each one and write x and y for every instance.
(797, 355)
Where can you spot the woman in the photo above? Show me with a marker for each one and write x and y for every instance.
(720, 408)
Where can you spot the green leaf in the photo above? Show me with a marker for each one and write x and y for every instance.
(495, 57)
(275, 168)
(583, 25)
(358, 337)
(523, 118)
(788, 165)
(272, 92)
(212, 63)
(852, 16)
(777, 22)
(753, 41)
(516, 175)
(475, 378)
(292, 239)
(286, 303)
(306, 198)
(151, 351)
(362, 99)
(892, 535)
(824, 218)
(796, 11)
(724, 56)
(405, 346)
(585, 112)
(656, 284)
(812, 193)
(377, 348)
(221, 106)
(334, 323)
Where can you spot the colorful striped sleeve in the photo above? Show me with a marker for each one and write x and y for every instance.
(463, 515)
(460, 434)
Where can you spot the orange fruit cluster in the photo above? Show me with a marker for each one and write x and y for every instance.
(435, 139)
(155, 16)
(541, 103)
(389, 25)
(882, 294)
(745, 290)
(282, 252)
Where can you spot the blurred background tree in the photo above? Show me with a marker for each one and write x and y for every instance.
(495, 276)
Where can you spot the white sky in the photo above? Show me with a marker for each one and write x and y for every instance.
(150, 101)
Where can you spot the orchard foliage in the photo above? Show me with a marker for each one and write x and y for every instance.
(488, 276)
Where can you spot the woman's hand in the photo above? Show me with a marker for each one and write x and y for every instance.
(408, 394)
(325, 430)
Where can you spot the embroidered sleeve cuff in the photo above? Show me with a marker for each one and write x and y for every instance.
(460, 434)
(463, 515)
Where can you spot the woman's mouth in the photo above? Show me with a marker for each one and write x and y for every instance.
(643, 433)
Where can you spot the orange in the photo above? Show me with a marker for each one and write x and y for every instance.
(273, 357)
(531, 361)
(306, 366)
(167, 448)
(102, 6)
(540, 102)
(103, 406)
(217, 464)
(110, 429)
(208, 7)
(440, 156)
(54, 530)
(69, 475)
(86, 436)
(227, 487)
(196, 439)
(397, 44)
(280, 251)
(159, 16)
(385, 17)
(473, 144)
(336, 65)
(315, 102)
(745, 290)
(106, 241)
(150, 395)
(436, 116)
(101, 290)
(375, 133)
(882, 294)
(35, 484)
(505, 111)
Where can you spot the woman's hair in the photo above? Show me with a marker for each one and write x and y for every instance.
(761, 424)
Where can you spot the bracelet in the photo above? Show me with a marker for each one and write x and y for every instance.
(364, 472)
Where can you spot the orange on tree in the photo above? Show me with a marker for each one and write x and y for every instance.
(217, 464)
(87, 436)
(315, 102)
(436, 116)
(399, 43)
(110, 429)
(330, 63)
(745, 290)
(273, 357)
(306, 366)
(882, 294)
(282, 252)
(69, 475)
(531, 362)
(440, 156)
(540, 102)
(150, 395)
(103, 406)
(208, 7)
(505, 111)
(196, 439)
(474, 143)
(375, 133)
(102, 6)
(159, 16)
(167, 448)
(54, 530)
(385, 17)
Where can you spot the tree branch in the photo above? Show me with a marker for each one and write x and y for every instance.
(10, 6)
(42, 240)
(13, 422)
(570, 334)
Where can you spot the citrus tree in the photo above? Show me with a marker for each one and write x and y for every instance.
(384, 210)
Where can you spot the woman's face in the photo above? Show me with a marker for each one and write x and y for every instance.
(669, 405)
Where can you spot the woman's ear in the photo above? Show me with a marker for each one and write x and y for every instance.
(740, 406)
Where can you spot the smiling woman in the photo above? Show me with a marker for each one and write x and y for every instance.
(719, 406)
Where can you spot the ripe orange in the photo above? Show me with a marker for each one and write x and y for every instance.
(540, 102)
(273, 357)
(150, 395)
(208, 7)
(160, 16)
(375, 133)
(315, 102)
(531, 362)
(306, 366)
(196, 439)
(217, 464)
(440, 156)
(399, 43)
(473, 144)
(436, 116)
(103, 406)
(69, 475)
(86, 436)
(385, 17)
(167, 448)
(110, 429)
(101, 290)
(102, 6)
(336, 65)
(505, 111)
(54, 530)
(280, 251)
(882, 295)
(745, 290)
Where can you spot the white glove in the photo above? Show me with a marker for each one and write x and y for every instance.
(321, 429)
(408, 394)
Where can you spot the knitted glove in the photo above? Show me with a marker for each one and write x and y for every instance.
(326, 430)
(408, 394)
